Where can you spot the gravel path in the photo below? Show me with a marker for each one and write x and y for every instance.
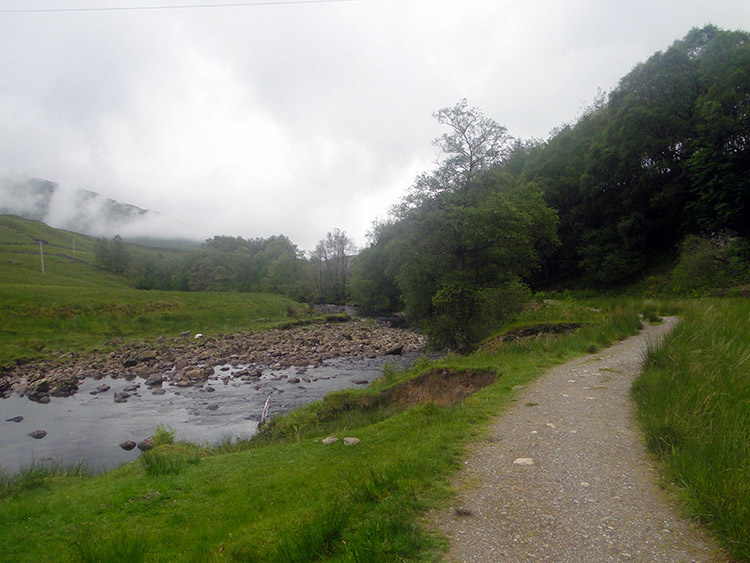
(564, 475)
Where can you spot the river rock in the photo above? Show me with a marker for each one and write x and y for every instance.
(351, 441)
(146, 444)
(330, 440)
(14, 419)
(360, 381)
(293, 380)
(65, 387)
(154, 380)
(38, 434)
(158, 391)
(146, 356)
(212, 407)
(121, 396)
(195, 373)
(128, 445)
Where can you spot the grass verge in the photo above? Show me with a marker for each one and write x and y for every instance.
(694, 405)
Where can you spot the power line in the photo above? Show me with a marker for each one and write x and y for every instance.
(176, 7)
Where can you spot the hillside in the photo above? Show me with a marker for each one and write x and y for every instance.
(90, 213)
(68, 256)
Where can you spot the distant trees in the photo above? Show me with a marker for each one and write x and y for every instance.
(111, 255)
(331, 261)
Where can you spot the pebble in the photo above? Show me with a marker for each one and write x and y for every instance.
(523, 461)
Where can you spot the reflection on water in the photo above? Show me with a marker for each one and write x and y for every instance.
(89, 427)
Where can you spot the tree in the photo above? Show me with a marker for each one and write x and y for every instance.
(112, 256)
(473, 143)
(463, 235)
(331, 260)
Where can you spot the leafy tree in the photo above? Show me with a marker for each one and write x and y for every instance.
(331, 261)
(463, 236)
(112, 256)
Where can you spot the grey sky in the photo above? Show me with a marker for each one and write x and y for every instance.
(296, 119)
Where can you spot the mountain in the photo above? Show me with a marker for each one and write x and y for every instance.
(90, 213)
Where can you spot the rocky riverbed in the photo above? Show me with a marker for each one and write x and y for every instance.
(189, 360)
(93, 408)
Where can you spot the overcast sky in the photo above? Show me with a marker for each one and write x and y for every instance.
(296, 119)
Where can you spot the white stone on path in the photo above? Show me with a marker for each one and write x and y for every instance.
(524, 461)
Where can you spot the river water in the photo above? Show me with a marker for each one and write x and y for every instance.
(89, 427)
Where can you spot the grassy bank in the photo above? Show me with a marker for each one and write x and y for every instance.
(284, 496)
(694, 404)
(44, 321)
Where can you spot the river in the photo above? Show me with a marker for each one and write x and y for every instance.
(88, 427)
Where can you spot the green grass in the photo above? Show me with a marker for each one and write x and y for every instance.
(75, 307)
(285, 496)
(44, 321)
(694, 405)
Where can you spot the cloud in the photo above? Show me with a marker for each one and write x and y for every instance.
(299, 119)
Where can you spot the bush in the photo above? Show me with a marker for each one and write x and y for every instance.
(707, 263)
(465, 315)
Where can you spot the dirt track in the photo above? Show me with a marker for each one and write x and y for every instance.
(564, 476)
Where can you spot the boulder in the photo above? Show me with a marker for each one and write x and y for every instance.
(146, 444)
(158, 391)
(330, 440)
(65, 387)
(146, 356)
(128, 445)
(154, 380)
(38, 434)
(351, 441)
(121, 396)
(14, 419)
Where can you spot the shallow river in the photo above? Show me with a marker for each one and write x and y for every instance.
(89, 427)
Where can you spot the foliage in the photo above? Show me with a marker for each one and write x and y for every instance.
(111, 256)
(461, 239)
(708, 263)
(331, 262)
(663, 156)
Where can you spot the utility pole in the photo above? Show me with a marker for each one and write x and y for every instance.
(41, 253)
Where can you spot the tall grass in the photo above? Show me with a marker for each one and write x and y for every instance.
(37, 475)
(694, 405)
